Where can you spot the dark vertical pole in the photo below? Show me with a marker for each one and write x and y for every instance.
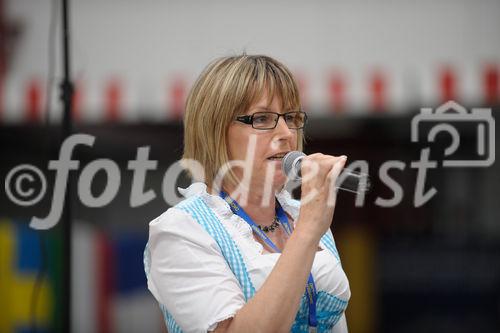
(66, 98)
(3, 52)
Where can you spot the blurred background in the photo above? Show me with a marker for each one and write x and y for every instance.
(365, 69)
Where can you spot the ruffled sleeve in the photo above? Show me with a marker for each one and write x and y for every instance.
(189, 275)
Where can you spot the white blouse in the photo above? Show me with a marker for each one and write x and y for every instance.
(190, 277)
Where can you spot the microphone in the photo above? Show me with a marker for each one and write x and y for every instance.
(348, 180)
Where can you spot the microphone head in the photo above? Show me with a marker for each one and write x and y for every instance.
(290, 164)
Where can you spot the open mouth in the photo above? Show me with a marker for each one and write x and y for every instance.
(277, 157)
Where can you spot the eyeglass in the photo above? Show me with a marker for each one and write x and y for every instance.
(269, 120)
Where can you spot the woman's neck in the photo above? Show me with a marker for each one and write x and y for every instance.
(260, 207)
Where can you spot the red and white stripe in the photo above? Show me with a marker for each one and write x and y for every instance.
(491, 84)
(113, 99)
(337, 92)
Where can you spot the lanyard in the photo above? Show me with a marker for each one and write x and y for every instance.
(311, 287)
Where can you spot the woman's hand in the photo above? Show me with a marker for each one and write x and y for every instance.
(319, 194)
(285, 284)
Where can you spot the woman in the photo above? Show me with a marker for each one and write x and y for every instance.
(239, 254)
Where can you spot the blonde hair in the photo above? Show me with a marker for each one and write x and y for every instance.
(226, 88)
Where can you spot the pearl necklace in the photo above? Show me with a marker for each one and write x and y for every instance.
(275, 225)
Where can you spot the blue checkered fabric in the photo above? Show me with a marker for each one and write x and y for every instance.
(200, 211)
(328, 241)
(172, 326)
(329, 308)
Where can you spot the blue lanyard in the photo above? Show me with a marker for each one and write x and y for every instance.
(283, 219)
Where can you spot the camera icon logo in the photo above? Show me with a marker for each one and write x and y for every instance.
(448, 118)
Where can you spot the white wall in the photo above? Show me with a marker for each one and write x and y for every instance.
(148, 44)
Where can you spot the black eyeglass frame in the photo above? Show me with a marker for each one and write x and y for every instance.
(248, 119)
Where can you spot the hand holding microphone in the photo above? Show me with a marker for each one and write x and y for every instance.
(348, 180)
(320, 175)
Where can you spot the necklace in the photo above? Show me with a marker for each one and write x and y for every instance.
(275, 225)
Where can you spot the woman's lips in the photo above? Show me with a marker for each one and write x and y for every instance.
(277, 157)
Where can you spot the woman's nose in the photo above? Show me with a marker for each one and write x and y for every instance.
(282, 127)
